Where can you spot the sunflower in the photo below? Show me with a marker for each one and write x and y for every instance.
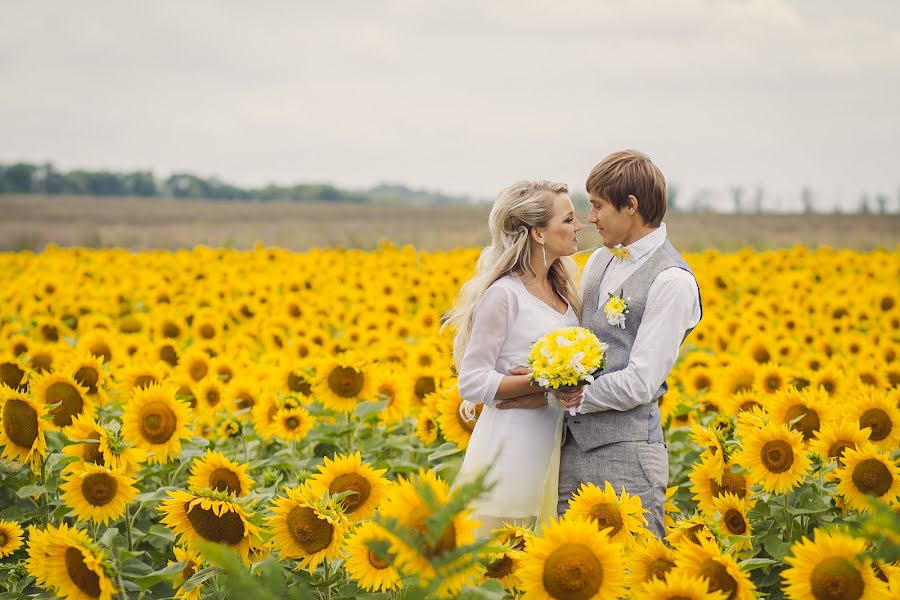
(650, 560)
(119, 456)
(342, 383)
(85, 433)
(64, 560)
(679, 586)
(831, 381)
(831, 568)
(771, 378)
(194, 363)
(711, 446)
(294, 379)
(740, 377)
(88, 371)
(305, 528)
(708, 482)
(411, 511)
(691, 530)
(774, 457)
(391, 385)
(292, 424)
(732, 520)
(12, 371)
(10, 538)
(42, 357)
(155, 421)
(704, 559)
(206, 515)
(95, 493)
(868, 474)
(835, 437)
(504, 566)
(217, 472)
(623, 515)
(210, 392)
(875, 411)
(22, 427)
(456, 417)
(427, 425)
(807, 411)
(194, 563)
(373, 571)
(56, 388)
(350, 474)
(669, 507)
(573, 559)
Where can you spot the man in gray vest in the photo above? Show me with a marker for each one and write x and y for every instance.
(641, 298)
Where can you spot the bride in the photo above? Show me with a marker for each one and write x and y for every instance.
(523, 288)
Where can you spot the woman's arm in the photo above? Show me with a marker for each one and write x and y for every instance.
(479, 381)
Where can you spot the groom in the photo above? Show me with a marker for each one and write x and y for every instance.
(617, 435)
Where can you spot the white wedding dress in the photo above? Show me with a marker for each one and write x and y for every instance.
(520, 445)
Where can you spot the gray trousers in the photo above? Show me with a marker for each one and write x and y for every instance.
(642, 468)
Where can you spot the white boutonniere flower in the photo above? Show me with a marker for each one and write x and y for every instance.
(616, 308)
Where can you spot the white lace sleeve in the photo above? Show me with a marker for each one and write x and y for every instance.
(478, 377)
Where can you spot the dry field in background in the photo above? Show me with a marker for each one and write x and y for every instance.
(31, 222)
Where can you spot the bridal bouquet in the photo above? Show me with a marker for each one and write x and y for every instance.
(566, 358)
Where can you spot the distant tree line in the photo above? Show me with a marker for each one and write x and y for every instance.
(28, 178)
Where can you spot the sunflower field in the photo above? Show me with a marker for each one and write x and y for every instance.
(212, 423)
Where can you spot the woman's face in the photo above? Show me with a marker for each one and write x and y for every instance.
(560, 236)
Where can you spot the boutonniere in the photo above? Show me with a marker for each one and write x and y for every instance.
(616, 308)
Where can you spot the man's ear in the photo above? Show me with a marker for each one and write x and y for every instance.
(632, 207)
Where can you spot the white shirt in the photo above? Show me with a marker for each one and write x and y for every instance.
(673, 307)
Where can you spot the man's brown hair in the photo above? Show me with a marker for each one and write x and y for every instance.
(630, 173)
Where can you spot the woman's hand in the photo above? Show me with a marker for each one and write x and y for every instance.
(570, 398)
(536, 400)
(520, 370)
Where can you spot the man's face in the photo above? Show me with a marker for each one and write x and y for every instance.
(613, 225)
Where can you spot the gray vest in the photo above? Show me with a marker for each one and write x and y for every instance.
(641, 423)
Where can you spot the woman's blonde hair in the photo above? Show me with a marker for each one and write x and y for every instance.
(518, 208)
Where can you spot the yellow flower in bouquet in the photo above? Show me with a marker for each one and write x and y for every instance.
(566, 357)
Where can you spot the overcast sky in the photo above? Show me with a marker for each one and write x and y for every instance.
(458, 96)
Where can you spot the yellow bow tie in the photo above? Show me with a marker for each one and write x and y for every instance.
(621, 253)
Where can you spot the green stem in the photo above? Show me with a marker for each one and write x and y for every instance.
(327, 580)
(128, 529)
(244, 444)
(45, 501)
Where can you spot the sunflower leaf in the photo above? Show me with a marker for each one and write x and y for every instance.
(31, 490)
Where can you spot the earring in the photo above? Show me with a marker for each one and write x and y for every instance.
(544, 254)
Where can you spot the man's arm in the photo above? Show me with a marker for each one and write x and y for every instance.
(673, 307)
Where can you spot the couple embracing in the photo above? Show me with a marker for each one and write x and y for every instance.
(537, 451)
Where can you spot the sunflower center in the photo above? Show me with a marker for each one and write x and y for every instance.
(607, 515)
(88, 377)
(808, 425)
(351, 482)
(836, 450)
(20, 422)
(376, 562)
(158, 422)
(227, 528)
(142, 381)
(500, 568)
(572, 572)
(735, 522)
(659, 568)
(424, 386)
(71, 402)
(212, 396)
(309, 531)
(777, 456)
(11, 375)
(198, 370)
(734, 483)
(3, 538)
(99, 489)
(169, 355)
(879, 421)
(719, 579)
(92, 453)
(346, 382)
(225, 480)
(872, 477)
(446, 542)
(292, 423)
(84, 579)
(299, 384)
(836, 578)
(244, 400)
(171, 330)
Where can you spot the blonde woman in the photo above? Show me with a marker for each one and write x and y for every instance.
(523, 288)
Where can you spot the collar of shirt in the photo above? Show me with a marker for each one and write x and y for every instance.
(646, 244)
